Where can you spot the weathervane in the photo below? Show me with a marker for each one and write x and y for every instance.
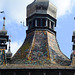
(2, 12)
(3, 17)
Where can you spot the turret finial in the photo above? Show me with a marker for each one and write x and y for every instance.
(4, 21)
(9, 45)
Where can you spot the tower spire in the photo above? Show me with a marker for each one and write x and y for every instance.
(4, 21)
(9, 46)
(3, 46)
(3, 31)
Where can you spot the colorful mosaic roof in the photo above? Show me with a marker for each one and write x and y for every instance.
(40, 47)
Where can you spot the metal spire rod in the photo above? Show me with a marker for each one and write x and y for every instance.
(9, 45)
(4, 21)
(3, 17)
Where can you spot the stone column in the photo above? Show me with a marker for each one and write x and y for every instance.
(46, 23)
(36, 23)
(59, 73)
(44, 73)
(14, 73)
(0, 73)
(29, 73)
(49, 24)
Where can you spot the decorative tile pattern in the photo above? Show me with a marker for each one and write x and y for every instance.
(2, 57)
(55, 52)
(25, 48)
(40, 47)
(39, 52)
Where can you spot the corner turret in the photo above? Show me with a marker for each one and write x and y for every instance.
(3, 31)
(73, 48)
(9, 54)
(3, 46)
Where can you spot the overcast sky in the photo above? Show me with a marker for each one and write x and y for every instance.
(15, 11)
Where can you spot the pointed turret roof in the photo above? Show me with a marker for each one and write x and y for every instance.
(3, 31)
(9, 54)
(40, 47)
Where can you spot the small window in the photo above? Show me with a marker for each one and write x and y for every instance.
(43, 22)
(30, 24)
(38, 22)
(41, 7)
(52, 25)
(33, 23)
(74, 47)
(38, 7)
